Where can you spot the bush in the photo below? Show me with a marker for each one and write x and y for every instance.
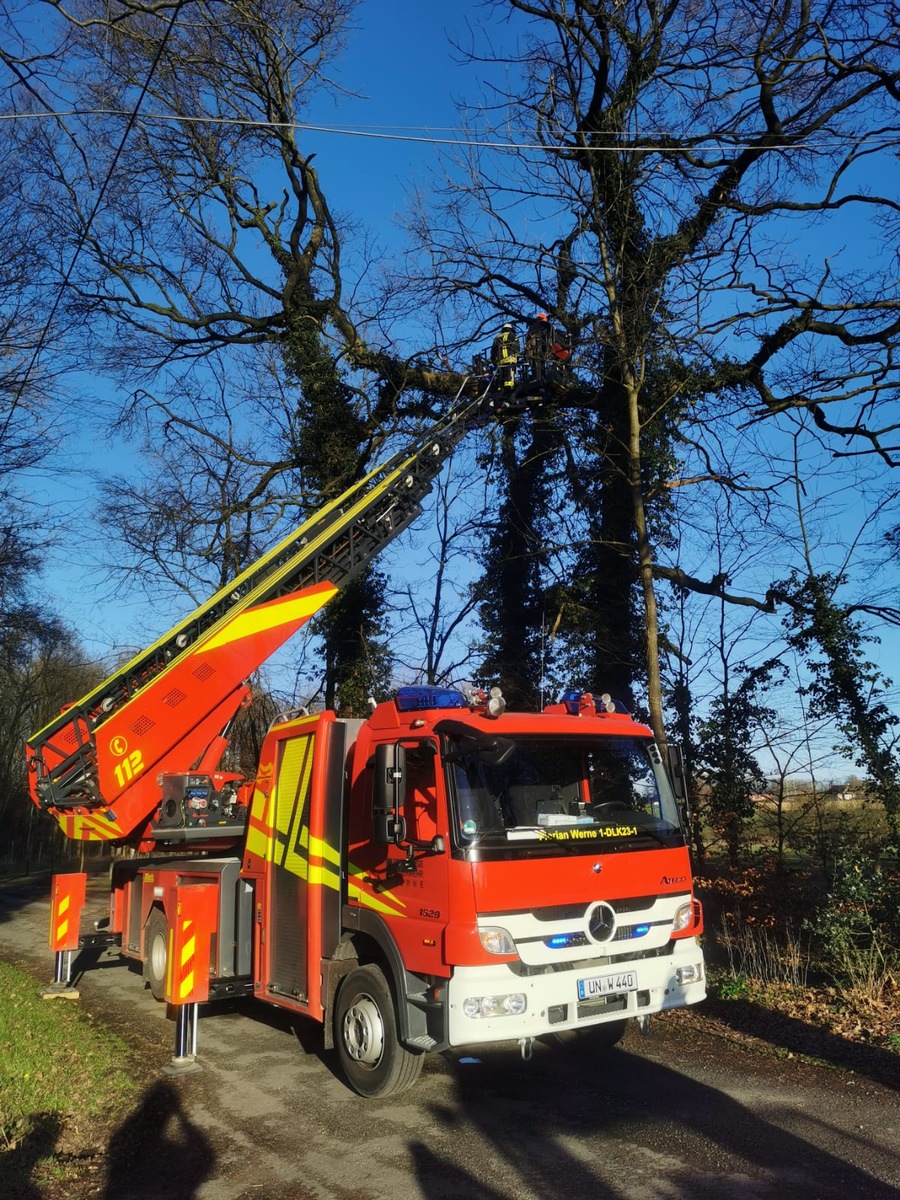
(858, 928)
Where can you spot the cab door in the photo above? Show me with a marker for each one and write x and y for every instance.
(425, 887)
(287, 923)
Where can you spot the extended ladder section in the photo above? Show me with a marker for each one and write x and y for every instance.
(166, 708)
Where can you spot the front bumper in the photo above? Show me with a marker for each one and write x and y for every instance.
(552, 1002)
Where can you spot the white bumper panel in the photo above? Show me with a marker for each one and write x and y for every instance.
(552, 1002)
(647, 925)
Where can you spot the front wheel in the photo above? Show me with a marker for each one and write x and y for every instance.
(365, 1032)
(156, 950)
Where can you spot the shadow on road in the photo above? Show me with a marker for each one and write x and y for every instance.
(438, 1178)
(795, 1035)
(20, 891)
(689, 1139)
(157, 1151)
(102, 958)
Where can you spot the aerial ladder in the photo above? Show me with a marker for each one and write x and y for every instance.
(119, 764)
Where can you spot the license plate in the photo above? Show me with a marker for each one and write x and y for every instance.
(607, 985)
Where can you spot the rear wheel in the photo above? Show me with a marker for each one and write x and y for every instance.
(156, 949)
(365, 1032)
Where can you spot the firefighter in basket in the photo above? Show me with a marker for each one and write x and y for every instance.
(547, 351)
(505, 356)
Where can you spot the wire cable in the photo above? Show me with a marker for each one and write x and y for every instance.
(401, 133)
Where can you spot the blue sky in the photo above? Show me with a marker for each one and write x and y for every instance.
(407, 75)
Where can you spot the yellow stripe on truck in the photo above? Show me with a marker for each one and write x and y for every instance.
(267, 616)
(384, 902)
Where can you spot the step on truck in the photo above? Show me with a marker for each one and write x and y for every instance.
(442, 874)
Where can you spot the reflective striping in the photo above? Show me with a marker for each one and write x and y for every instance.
(260, 819)
(320, 848)
(67, 896)
(186, 966)
(363, 876)
(189, 945)
(89, 829)
(369, 900)
(62, 925)
(269, 616)
(258, 825)
(324, 877)
(291, 795)
(359, 889)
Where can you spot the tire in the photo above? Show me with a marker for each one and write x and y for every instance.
(156, 949)
(365, 1033)
(595, 1038)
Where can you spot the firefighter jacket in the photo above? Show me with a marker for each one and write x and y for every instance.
(505, 348)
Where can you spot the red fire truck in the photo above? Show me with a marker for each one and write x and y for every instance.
(442, 874)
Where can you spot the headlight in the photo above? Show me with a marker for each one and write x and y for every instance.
(692, 974)
(683, 917)
(496, 940)
(495, 1006)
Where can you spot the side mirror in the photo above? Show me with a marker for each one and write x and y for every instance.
(676, 770)
(388, 795)
(679, 780)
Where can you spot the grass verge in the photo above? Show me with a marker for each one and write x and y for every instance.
(62, 1076)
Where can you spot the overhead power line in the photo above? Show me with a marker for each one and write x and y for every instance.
(465, 138)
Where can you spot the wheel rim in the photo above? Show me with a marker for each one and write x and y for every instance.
(158, 951)
(363, 1032)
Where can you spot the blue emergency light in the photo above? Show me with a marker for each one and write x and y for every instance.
(605, 703)
(632, 931)
(562, 941)
(411, 699)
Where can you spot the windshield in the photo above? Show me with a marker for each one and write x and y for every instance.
(571, 793)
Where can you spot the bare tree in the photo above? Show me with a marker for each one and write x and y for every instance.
(436, 604)
(661, 161)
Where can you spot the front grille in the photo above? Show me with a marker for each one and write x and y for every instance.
(560, 912)
(635, 904)
(574, 912)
